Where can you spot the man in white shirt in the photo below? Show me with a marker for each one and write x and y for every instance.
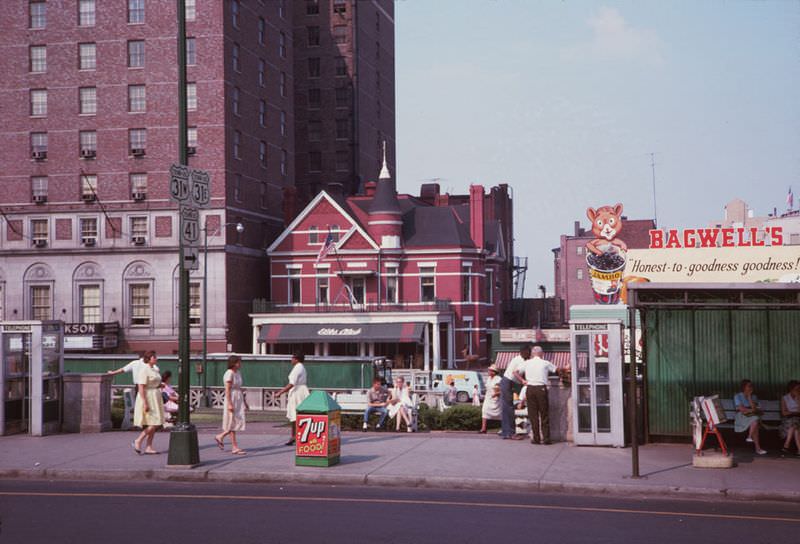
(134, 366)
(510, 377)
(534, 375)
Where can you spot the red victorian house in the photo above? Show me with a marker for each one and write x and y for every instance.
(420, 280)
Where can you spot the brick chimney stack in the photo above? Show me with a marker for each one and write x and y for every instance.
(476, 216)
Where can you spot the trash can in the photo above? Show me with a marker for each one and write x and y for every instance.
(319, 422)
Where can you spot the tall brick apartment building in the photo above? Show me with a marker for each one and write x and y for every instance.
(88, 233)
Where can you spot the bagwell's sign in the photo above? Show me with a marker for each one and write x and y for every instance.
(714, 255)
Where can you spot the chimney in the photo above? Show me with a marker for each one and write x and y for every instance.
(289, 205)
(335, 189)
(429, 192)
(369, 188)
(577, 228)
(476, 218)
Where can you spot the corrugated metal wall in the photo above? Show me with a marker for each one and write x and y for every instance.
(695, 352)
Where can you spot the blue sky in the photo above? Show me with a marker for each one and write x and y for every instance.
(565, 100)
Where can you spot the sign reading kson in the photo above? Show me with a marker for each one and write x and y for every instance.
(714, 255)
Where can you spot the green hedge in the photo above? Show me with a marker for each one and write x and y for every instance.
(458, 418)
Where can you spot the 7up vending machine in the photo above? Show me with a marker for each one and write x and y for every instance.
(319, 423)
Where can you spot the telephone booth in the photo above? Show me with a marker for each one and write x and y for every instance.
(596, 354)
(31, 365)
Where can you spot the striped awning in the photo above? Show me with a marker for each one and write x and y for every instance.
(559, 358)
(338, 333)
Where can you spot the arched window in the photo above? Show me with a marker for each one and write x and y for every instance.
(38, 285)
(87, 293)
(138, 283)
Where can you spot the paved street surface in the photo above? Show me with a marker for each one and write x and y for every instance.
(430, 460)
(46, 512)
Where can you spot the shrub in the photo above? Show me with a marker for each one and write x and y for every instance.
(460, 418)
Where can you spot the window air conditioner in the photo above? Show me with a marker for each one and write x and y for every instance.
(39, 155)
(40, 199)
(40, 242)
(88, 153)
(137, 151)
(89, 197)
(88, 240)
(139, 196)
(138, 240)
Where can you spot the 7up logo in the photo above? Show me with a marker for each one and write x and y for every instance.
(308, 426)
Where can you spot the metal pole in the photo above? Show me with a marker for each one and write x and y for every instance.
(205, 314)
(183, 447)
(632, 411)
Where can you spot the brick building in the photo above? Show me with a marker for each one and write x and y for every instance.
(89, 100)
(418, 279)
(344, 93)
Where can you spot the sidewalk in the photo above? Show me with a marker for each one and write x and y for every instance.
(442, 460)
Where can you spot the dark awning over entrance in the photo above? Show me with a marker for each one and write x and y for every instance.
(314, 332)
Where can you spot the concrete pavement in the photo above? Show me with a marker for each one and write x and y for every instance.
(449, 460)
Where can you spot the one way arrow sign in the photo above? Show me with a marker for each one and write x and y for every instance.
(191, 258)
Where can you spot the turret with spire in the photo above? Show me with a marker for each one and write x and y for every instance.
(385, 217)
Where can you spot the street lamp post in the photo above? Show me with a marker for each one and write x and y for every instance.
(239, 229)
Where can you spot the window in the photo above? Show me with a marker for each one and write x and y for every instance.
(89, 301)
(341, 66)
(294, 285)
(342, 97)
(191, 96)
(138, 228)
(262, 113)
(38, 58)
(191, 138)
(88, 143)
(427, 283)
(342, 129)
(340, 34)
(88, 100)
(579, 250)
(136, 54)
(262, 153)
(137, 138)
(237, 141)
(313, 67)
(39, 145)
(40, 231)
(283, 83)
(359, 290)
(262, 195)
(466, 283)
(323, 292)
(237, 188)
(314, 131)
(235, 13)
(138, 184)
(313, 234)
(489, 287)
(580, 273)
(314, 98)
(235, 56)
(377, 50)
(191, 10)
(283, 123)
(88, 228)
(191, 51)
(282, 45)
(313, 36)
(340, 6)
(284, 162)
(39, 102)
(262, 67)
(86, 13)
(392, 283)
(282, 9)
(335, 233)
(312, 7)
(89, 186)
(41, 308)
(194, 303)
(39, 187)
(87, 56)
(38, 14)
(137, 98)
(342, 161)
(314, 161)
(140, 304)
(235, 98)
(262, 30)
(135, 11)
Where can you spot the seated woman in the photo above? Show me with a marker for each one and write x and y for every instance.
(748, 415)
(169, 396)
(790, 417)
(400, 404)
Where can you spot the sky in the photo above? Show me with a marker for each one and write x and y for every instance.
(566, 100)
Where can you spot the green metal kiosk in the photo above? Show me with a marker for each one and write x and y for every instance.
(319, 424)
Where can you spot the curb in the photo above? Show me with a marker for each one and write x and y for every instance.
(435, 482)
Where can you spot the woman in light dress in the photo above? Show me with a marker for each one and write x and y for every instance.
(790, 417)
(400, 404)
(298, 391)
(148, 412)
(235, 406)
(491, 403)
(748, 415)
(476, 395)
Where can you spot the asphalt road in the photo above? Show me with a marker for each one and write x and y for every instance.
(166, 512)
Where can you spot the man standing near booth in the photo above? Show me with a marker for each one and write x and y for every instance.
(510, 377)
(534, 374)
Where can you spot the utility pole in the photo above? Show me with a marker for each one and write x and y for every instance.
(653, 169)
(183, 447)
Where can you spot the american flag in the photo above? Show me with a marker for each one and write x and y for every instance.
(326, 247)
(790, 199)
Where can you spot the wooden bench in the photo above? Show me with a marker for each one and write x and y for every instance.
(355, 402)
(770, 418)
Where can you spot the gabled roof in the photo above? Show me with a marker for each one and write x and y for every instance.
(435, 226)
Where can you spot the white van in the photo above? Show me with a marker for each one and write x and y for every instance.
(465, 381)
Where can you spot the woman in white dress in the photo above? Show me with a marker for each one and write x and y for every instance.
(148, 411)
(400, 404)
(491, 403)
(233, 419)
(298, 391)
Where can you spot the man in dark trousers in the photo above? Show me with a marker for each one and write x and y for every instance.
(534, 373)
(510, 377)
